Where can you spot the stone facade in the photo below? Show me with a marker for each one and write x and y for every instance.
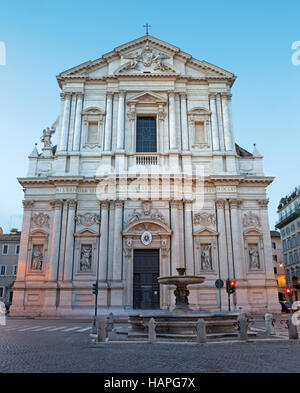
(289, 225)
(9, 253)
(95, 198)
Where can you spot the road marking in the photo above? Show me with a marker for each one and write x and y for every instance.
(84, 330)
(9, 328)
(72, 328)
(29, 328)
(56, 328)
(43, 328)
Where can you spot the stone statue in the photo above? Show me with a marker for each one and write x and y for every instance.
(134, 58)
(206, 263)
(37, 258)
(134, 217)
(254, 258)
(86, 258)
(159, 65)
(46, 138)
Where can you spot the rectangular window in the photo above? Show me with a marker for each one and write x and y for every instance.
(92, 133)
(5, 249)
(146, 135)
(14, 270)
(17, 249)
(199, 133)
(274, 246)
(2, 293)
(274, 258)
(2, 270)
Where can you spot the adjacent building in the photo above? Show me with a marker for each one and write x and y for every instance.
(9, 254)
(146, 178)
(289, 225)
(278, 264)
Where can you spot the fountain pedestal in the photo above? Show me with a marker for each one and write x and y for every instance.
(181, 292)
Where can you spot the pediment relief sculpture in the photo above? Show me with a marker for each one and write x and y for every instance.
(146, 60)
(148, 212)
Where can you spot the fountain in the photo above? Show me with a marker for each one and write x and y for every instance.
(181, 322)
(181, 292)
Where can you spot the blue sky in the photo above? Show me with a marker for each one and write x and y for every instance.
(251, 39)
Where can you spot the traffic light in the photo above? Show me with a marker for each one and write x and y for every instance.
(95, 288)
(230, 286)
(288, 291)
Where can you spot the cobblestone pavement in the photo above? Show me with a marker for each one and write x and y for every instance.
(37, 350)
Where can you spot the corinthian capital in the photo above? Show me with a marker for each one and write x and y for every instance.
(220, 203)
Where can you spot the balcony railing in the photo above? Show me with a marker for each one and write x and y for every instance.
(147, 159)
(288, 217)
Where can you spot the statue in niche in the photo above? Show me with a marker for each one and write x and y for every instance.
(254, 257)
(206, 260)
(37, 258)
(86, 258)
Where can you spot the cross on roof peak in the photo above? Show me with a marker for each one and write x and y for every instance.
(147, 28)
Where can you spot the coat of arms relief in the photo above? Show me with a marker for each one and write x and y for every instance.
(147, 59)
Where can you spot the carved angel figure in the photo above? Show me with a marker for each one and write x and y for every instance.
(134, 217)
(159, 65)
(46, 138)
(134, 58)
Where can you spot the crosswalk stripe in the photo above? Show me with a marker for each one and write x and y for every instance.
(72, 328)
(84, 330)
(56, 328)
(9, 328)
(43, 328)
(29, 328)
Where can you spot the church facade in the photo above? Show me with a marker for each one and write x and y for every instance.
(145, 178)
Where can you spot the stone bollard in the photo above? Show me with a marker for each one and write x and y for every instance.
(269, 324)
(102, 333)
(151, 331)
(201, 331)
(293, 331)
(110, 322)
(243, 327)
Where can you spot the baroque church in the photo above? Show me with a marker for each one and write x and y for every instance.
(145, 178)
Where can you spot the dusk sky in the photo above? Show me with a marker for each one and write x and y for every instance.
(251, 39)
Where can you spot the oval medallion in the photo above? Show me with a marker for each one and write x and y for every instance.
(146, 238)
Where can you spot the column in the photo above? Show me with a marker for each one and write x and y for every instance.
(103, 241)
(121, 121)
(77, 127)
(214, 122)
(237, 239)
(175, 240)
(223, 256)
(65, 122)
(69, 250)
(188, 239)
(117, 255)
(108, 123)
(220, 122)
(172, 117)
(226, 123)
(229, 241)
(55, 240)
(184, 123)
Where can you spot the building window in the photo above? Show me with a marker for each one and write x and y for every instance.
(92, 136)
(274, 245)
(5, 249)
(2, 292)
(17, 249)
(199, 133)
(275, 270)
(14, 270)
(3, 270)
(146, 135)
(274, 258)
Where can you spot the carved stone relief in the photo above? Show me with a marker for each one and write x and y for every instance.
(251, 219)
(37, 257)
(41, 219)
(88, 219)
(86, 258)
(204, 219)
(254, 261)
(206, 257)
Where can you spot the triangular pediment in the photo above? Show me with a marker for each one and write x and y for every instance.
(86, 233)
(147, 97)
(206, 232)
(144, 56)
